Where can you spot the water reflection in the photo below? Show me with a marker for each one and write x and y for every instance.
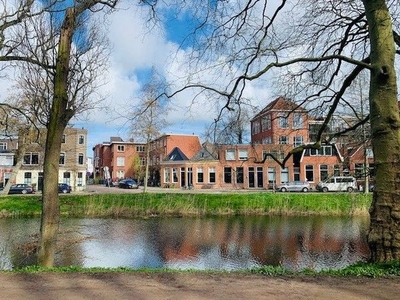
(224, 243)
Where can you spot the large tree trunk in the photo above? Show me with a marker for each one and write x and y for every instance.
(384, 233)
(59, 117)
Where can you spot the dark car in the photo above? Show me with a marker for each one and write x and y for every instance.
(64, 188)
(21, 188)
(128, 184)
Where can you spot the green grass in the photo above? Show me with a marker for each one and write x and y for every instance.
(195, 204)
(357, 270)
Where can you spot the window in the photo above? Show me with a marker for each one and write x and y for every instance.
(121, 148)
(174, 175)
(200, 175)
(266, 123)
(3, 146)
(80, 179)
(336, 170)
(255, 127)
(360, 171)
(67, 177)
(80, 159)
(298, 141)
(284, 175)
(63, 139)
(267, 140)
(31, 158)
(271, 175)
(323, 172)
(227, 174)
(310, 173)
(143, 161)
(81, 140)
(28, 177)
(243, 154)
(230, 154)
(167, 175)
(283, 121)
(369, 153)
(211, 174)
(282, 155)
(283, 139)
(297, 121)
(120, 161)
(62, 158)
(140, 148)
(239, 175)
(323, 151)
(120, 174)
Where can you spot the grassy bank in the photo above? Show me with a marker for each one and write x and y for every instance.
(370, 270)
(168, 204)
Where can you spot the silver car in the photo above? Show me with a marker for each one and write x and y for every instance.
(294, 186)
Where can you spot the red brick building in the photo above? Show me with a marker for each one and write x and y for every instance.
(123, 159)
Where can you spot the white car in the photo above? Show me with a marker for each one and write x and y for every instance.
(294, 186)
(338, 184)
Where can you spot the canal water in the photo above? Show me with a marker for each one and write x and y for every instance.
(215, 243)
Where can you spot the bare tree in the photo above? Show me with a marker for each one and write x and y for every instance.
(233, 126)
(59, 63)
(319, 48)
(149, 117)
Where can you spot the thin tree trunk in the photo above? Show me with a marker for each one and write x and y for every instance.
(384, 233)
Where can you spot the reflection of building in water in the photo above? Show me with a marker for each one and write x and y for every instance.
(295, 242)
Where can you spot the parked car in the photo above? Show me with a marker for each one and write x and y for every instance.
(294, 186)
(64, 188)
(128, 184)
(338, 184)
(21, 188)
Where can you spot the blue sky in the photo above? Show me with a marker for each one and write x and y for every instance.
(137, 47)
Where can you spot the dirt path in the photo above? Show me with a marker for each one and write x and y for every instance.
(192, 286)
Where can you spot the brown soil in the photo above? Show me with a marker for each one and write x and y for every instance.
(192, 286)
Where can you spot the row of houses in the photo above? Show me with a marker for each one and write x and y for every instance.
(178, 160)
(72, 163)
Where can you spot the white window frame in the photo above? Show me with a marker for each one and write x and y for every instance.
(62, 158)
(230, 154)
(298, 121)
(167, 175)
(283, 140)
(200, 171)
(120, 161)
(243, 154)
(298, 141)
(283, 121)
(212, 170)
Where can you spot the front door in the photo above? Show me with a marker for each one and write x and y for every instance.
(251, 177)
(183, 177)
(260, 180)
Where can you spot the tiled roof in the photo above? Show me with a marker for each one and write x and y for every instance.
(205, 153)
(281, 104)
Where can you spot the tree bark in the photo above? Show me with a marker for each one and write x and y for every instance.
(59, 118)
(384, 233)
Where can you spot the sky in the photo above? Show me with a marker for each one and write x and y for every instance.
(137, 47)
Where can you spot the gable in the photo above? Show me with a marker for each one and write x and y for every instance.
(176, 155)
